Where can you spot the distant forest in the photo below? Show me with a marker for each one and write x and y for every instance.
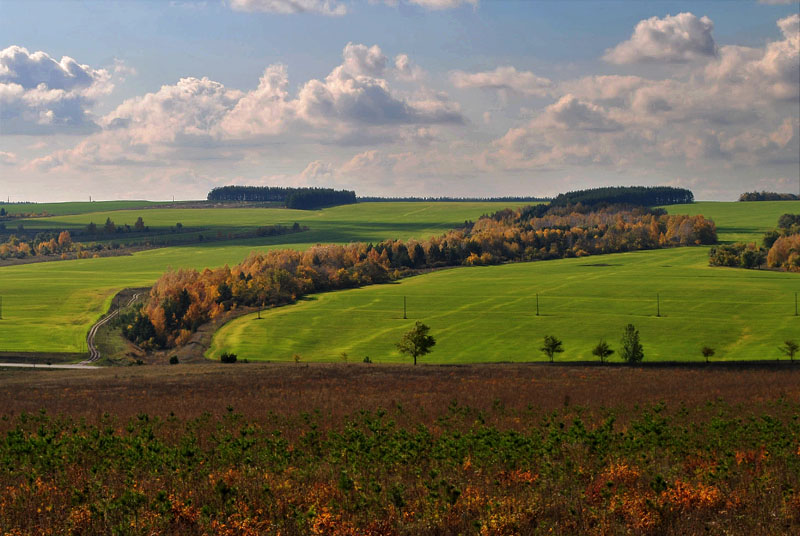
(647, 196)
(300, 198)
(768, 196)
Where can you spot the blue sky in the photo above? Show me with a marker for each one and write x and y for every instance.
(408, 97)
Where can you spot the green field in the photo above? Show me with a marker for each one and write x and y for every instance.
(77, 207)
(49, 307)
(488, 314)
(484, 314)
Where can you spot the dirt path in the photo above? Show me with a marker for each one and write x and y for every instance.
(94, 353)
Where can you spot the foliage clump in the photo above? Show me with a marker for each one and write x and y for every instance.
(227, 357)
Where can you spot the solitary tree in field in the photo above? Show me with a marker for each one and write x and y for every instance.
(602, 350)
(632, 350)
(708, 352)
(416, 342)
(552, 346)
(790, 348)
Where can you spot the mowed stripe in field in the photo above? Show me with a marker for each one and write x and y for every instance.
(489, 314)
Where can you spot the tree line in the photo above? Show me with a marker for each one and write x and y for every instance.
(299, 198)
(768, 196)
(780, 249)
(180, 301)
(648, 196)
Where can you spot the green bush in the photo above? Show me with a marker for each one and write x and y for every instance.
(228, 357)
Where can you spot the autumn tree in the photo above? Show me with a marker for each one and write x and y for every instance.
(552, 346)
(64, 241)
(602, 350)
(632, 350)
(416, 342)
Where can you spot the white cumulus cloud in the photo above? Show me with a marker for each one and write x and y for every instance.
(40, 95)
(680, 38)
(287, 7)
(443, 4)
(200, 119)
(504, 78)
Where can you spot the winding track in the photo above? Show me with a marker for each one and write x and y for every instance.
(94, 353)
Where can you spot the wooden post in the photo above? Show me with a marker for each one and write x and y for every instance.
(658, 305)
(404, 308)
(537, 304)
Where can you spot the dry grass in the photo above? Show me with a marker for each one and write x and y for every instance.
(340, 389)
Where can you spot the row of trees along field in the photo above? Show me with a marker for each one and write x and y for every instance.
(63, 243)
(299, 198)
(781, 249)
(768, 196)
(180, 301)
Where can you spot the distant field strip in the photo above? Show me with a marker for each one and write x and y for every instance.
(489, 314)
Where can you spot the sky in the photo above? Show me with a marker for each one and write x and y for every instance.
(462, 98)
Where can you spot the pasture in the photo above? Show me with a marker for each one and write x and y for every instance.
(49, 307)
(488, 314)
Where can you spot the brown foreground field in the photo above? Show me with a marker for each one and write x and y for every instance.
(384, 450)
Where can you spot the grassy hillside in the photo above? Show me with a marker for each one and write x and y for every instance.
(49, 307)
(489, 313)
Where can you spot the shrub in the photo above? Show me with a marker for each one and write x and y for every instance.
(632, 350)
(227, 357)
(173, 360)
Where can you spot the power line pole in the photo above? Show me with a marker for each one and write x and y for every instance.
(404, 308)
(537, 304)
(795, 305)
(658, 305)
(1, 305)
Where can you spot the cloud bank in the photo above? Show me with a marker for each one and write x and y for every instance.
(40, 95)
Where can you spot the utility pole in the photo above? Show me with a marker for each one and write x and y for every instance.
(795, 305)
(537, 304)
(1, 306)
(404, 308)
(658, 305)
